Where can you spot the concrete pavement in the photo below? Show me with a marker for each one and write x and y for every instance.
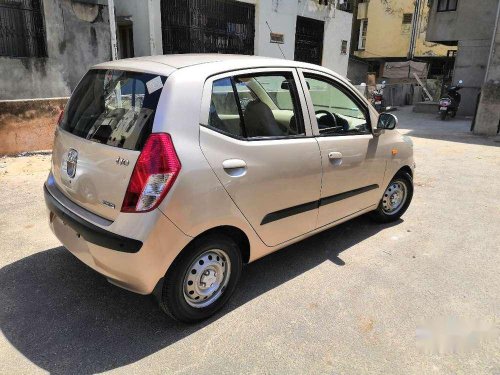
(354, 299)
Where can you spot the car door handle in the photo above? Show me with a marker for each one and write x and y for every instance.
(335, 157)
(234, 167)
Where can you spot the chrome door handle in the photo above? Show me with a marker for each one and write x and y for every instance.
(335, 155)
(234, 167)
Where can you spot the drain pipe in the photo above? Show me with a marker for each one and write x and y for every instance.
(112, 29)
(414, 30)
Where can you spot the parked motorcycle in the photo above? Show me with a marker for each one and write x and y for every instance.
(448, 104)
(378, 98)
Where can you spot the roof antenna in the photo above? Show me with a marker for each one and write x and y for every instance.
(267, 23)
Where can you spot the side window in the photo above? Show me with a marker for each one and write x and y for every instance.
(336, 112)
(269, 105)
(254, 106)
(224, 114)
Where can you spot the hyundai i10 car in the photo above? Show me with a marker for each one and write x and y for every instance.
(169, 173)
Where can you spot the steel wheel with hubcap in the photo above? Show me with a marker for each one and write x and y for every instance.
(206, 278)
(396, 199)
(202, 278)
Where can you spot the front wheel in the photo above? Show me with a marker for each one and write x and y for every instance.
(396, 199)
(202, 279)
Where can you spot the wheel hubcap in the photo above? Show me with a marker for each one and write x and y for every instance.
(206, 278)
(394, 197)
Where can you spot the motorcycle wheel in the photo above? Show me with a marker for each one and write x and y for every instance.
(442, 115)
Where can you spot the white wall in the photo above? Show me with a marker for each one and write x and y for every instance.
(138, 10)
(282, 17)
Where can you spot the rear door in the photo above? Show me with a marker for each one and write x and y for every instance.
(98, 141)
(256, 140)
(353, 167)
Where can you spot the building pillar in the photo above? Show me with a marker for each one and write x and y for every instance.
(487, 119)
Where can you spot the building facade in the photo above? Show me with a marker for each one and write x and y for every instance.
(46, 46)
(474, 29)
(317, 31)
(394, 31)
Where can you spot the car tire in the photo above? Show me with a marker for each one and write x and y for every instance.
(395, 200)
(202, 279)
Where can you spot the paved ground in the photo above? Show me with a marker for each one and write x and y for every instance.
(349, 300)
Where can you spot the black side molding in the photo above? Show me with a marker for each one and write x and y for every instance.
(90, 232)
(345, 195)
(281, 214)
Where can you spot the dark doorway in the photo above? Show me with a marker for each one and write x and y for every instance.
(125, 38)
(309, 40)
(201, 26)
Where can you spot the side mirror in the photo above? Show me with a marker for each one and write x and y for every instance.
(387, 121)
(460, 83)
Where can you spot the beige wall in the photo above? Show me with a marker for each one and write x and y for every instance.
(28, 125)
(388, 37)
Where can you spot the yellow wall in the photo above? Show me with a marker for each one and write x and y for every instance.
(388, 37)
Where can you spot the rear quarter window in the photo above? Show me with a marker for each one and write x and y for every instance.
(114, 107)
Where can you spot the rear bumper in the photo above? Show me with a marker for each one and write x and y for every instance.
(128, 263)
(90, 232)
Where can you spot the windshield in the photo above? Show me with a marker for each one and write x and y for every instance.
(114, 107)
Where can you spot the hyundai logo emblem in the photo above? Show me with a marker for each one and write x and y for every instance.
(71, 162)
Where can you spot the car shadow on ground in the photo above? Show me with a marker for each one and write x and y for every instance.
(66, 318)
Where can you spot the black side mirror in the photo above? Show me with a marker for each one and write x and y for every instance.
(387, 121)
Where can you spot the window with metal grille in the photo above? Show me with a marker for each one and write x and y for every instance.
(198, 26)
(363, 28)
(407, 18)
(309, 40)
(22, 32)
(447, 5)
(343, 47)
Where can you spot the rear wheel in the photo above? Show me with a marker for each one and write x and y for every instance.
(396, 199)
(442, 115)
(202, 279)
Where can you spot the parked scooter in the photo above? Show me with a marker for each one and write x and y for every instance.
(378, 98)
(448, 104)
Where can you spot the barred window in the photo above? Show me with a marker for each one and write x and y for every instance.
(22, 32)
(216, 26)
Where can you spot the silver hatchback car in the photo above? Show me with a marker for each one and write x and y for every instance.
(171, 172)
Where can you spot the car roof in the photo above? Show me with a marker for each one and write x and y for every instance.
(167, 64)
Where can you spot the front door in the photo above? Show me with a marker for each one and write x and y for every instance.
(261, 148)
(353, 170)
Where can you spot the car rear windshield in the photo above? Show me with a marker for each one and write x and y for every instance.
(114, 107)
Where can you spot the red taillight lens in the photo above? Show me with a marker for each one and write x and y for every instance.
(154, 174)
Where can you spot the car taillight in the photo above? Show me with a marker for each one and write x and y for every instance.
(154, 174)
